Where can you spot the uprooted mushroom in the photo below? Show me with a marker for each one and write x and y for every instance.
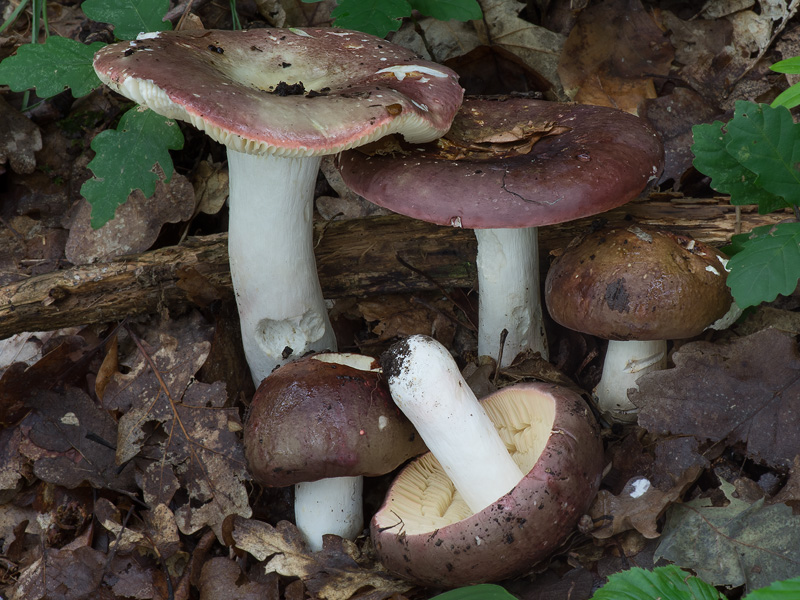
(505, 480)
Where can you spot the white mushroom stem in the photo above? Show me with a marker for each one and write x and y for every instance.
(509, 298)
(273, 269)
(427, 386)
(625, 362)
(327, 506)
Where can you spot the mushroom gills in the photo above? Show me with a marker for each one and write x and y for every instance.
(424, 499)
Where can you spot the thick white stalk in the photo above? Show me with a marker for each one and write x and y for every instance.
(625, 362)
(508, 293)
(332, 505)
(427, 386)
(273, 269)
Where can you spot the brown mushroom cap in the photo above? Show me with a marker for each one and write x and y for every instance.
(637, 283)
(514, 162)
(425, 533)
(312, 419)
(289, 92)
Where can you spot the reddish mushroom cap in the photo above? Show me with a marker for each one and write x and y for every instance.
(514, 162)
(289, 92)
(424, 531)
(637, 283)
(320, 417)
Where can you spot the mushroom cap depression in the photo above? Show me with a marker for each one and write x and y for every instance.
(321, 417)
(637, 283)
(289, 92)
(513, 162)
(424, 531)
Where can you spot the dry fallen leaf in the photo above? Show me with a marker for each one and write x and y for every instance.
(135, 226)
(746, 390)
(612, 55)
(182, 426)
(337, 572)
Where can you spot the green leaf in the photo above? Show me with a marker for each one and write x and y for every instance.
(790, 65)
(57, 64)
(129, 17)
(738, 544)
(766, 263)
(766, 140)
(727, 175)
(789, 97)
(666, 583)
(377, 17)
(445, 10)
(780, 590)
(125, 160)
(483, 591)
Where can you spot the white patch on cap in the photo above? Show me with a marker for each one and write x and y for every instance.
(148, 35)
(419, 105)
(300, 32)
(711, 269)
(382, 422)
(640, 486)
(400, 71)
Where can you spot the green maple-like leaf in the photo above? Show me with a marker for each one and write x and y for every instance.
(666, 583)
(483, 591)
(766, 263)
(738, 544)
(780, 590)
(125, 159)
(728, 176)
(52, 67)
(129, 17)
(766, 141)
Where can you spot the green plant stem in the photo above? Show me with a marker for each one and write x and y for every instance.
(236, 23)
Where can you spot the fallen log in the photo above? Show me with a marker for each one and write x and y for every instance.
(354, 258)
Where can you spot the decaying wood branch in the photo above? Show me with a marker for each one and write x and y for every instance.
(354, 258)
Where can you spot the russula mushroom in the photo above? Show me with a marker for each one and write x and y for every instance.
(428, 530)
(506, 167)
(636, 287)
(279, 99)
(321, 423)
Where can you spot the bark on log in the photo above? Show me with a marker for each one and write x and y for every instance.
(354, 258)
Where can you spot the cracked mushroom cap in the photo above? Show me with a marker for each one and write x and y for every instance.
(424, 532)
(326, 415)
(638, 283)
(513, 162)
(288, 92)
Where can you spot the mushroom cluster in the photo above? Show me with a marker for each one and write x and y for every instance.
(321, 423)
(636, 287)
(505, 480)
(278, 99)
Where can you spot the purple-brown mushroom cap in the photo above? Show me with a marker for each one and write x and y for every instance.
(317, 418)
(425, 533)
(289, 92)
(637, 283)
(514, 162)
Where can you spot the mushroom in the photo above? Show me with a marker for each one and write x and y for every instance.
(321, 423)
(461, 513)
(506, 167)
(279, 99)
(636, 287)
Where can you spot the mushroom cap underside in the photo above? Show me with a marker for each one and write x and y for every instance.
(513, 162)
(637, 283)
(288, 92)
(425, 533)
